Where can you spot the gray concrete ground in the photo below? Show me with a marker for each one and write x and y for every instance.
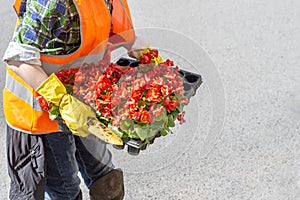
(255, 46)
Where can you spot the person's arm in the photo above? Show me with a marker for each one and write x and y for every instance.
(30, 38)
(32, 74)
(24, 60)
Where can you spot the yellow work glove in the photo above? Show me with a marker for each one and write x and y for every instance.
(73, 112)
(79, 117)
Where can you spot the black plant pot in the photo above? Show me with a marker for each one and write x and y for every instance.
(119, 146)
(133, 151)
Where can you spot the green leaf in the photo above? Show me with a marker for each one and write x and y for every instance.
(179, 109)
(168, 130)
(142, 104)
(54, 112)
(177, 96)
(163, 132)
(69, 88)
(133, 134)
(174, 113)
(98, 114)
(158, 125)
(126, 125)
(104, 120)
(152, 133)
(161, 117)
(116, 130)
(125, 135)
(170, 121)
(142, 131)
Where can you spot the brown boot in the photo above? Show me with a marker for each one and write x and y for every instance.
(108, 187)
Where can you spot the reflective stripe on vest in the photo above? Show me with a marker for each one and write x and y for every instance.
(21, 92)
(21, 109)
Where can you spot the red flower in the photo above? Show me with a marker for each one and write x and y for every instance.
(115, 101)
(67, 76)
(116, 121)
(128, 78)
(89, 97)
(171, 75)
(158, 80)
(149, 76)
(165, 90)
(184, 101)
(133, 106)
(146, 58)
(102, 63)
(134, 115)
(122, 111)
(79, 78)
(158, 111)
(138, 84)
(180, 117)
(173, 104)
(154, 53)
(106, 98)
(75, 91)
(99, 104)
(154, 95)
(43, 103)
(109, 71)
(170, 104)
(179, 90)
(105, 84)
(73, 70)
(114, 80)
(105, 112)
(157, 87)
(167, 63)
(91, 84)
(136, 95)
(145, 116)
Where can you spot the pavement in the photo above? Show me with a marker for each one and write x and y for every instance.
(241, 139)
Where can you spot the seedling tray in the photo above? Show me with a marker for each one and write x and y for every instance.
(191, 82)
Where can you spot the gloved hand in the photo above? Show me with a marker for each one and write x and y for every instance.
(73, 112)
(79, 117)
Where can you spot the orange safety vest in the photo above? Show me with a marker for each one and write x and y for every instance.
(21, 109)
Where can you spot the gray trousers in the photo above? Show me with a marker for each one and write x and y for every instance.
(26, 165)
(46, 166)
